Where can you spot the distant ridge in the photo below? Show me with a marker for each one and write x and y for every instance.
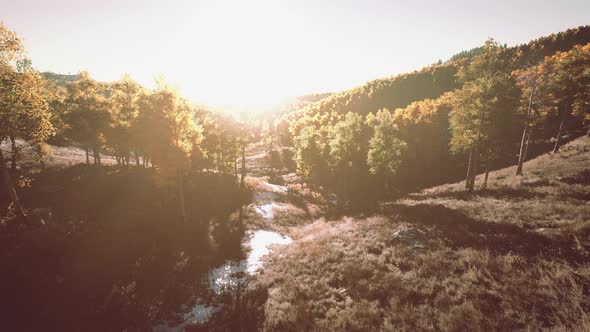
(60, 79)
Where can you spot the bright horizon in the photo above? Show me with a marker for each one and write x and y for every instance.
(255, 54)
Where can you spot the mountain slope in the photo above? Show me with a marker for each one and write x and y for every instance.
(433, 81)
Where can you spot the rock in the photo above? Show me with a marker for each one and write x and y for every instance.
(409, 235)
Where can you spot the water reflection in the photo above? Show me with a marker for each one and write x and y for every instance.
(229, 277)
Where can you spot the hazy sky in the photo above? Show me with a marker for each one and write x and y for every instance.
(253, 52)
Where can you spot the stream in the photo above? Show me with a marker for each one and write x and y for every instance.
(232, 274)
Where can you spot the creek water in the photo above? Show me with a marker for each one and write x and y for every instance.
(232, 274)
(228, 277)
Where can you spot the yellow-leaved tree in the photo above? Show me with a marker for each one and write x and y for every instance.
(168, 131)
(23, 109)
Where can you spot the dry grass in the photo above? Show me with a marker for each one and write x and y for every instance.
(57, 156)
(512, 257)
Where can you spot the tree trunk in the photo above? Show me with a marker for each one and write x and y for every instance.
(41, 161)
(469, 169)
(272, 141)
(243, 164)
(521, 151)
(559, 134)
(475, 166)
(475, 158)
(561, 129)
(521, 154)
(181, 197)
(219, 163)
(588, 132)
(485, 179)
(14, 155)
(118, 159)
(87, 155)
(20, 211)
(526, 147)
(136, 155)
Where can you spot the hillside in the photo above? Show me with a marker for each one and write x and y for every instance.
(433, 81)
(512, 256)
(436, 117)
(60, 79)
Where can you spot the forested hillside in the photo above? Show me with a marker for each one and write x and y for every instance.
(431, 82)
(435, 111)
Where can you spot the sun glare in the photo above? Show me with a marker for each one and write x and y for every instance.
(242, 56)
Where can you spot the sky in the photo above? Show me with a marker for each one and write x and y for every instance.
(256, 53)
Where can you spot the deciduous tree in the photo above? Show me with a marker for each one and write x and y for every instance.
(484, 117)
(385, 149)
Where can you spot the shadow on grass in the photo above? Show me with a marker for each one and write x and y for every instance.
(497, 193)
(581, 178)
(462, 231)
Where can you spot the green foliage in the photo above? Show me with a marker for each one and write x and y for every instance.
(88, 117)
(310, 157)
(385, 149)
(167, 128)
(23, 109)
(424, 99)
(347, 142)
(269, 134)
(467, 54)
(424, 127)
(484, 113)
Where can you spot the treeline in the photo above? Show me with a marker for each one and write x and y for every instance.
(430, 82)
(426, 127)
(135, 125)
